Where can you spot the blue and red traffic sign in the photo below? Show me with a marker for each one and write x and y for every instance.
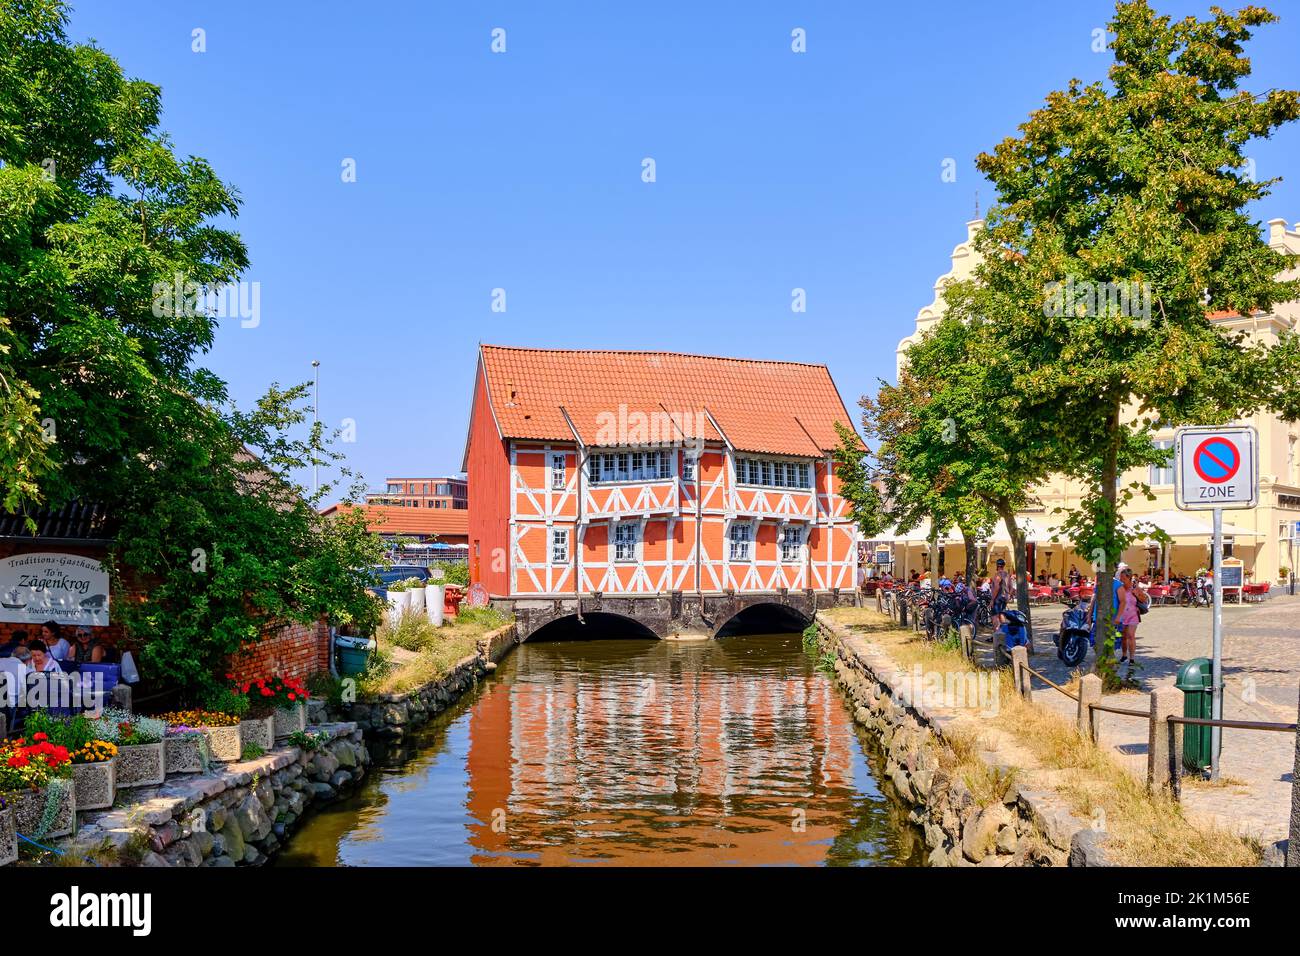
(1216, 459)
(1216, 468)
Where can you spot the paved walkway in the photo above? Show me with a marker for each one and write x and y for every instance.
(1261, 665)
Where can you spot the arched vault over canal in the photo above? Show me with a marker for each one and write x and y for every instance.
(594, 625)
(677, 613)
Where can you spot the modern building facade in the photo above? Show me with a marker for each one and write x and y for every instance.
(446, 493)
(1263, 538)
(654, 473)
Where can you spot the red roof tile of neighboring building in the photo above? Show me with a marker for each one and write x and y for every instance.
(444, 522)
(760, 406)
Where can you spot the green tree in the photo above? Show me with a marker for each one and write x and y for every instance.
(101, 225)
(1121, 221)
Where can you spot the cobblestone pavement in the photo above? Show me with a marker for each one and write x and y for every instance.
(1261, 665)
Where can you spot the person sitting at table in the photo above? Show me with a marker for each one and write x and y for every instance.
(85, 650)
(1075, 577)
(56, 644)
(19, 639)
(42, 661)
(107, 650)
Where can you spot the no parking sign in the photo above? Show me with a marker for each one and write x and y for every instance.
(1216, 468)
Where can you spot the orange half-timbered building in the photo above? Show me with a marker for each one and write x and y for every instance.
(647, 473)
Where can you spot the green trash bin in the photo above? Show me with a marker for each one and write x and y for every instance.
(353, 653)
(1196, 681)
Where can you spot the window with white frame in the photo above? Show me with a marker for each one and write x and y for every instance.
(741, 537)
(625, 535)
(791, 542)
(688, 467)
(773, 474)
(559, 545)
(557, 472)
(607, 467)
(1162, 475)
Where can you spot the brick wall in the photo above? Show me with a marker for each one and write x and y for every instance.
(294, 650)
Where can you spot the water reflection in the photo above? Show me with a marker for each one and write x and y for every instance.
(724, 752)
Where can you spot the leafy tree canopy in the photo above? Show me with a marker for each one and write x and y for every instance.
(101, 395)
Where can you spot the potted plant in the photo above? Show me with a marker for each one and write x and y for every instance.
(257, 726)
(290, 699)
(94, 761)
(415, 595)
(433, 599)
(139, 740)
(398, 601)
(8, 832)
(37, 776)
(185, 749)
(218, 726)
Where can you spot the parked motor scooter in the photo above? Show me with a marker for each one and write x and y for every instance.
(1075, 634)
(1015, 633)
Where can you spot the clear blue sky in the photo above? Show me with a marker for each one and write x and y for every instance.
(522, 171)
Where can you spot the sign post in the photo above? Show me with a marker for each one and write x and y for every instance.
(1216, 468)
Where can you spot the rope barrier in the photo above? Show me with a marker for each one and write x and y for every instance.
(1048, 681)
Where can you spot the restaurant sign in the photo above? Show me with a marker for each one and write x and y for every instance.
(47, 586)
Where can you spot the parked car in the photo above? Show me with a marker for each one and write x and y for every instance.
(398, 572)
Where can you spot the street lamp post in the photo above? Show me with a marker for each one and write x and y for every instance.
(315, 420)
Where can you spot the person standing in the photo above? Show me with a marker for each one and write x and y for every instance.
(1131, 595)
(1000, 589)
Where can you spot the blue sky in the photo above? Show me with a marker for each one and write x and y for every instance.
(523, 171)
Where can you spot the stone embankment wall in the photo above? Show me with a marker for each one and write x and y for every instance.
(236, 814)
(391, 717)
(1022, 828)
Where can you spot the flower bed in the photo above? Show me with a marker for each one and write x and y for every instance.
(291, 720)
(185, 750)
(257, 731)
(94, 784)
(219, 729)
(139, 740)
(38, 776)
(94, 775)
(47, 813)
(93, 766)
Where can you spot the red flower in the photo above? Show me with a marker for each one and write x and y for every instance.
(265, 692)
(292, 696)
(40, 737)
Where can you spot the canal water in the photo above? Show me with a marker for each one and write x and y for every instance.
(735, 751)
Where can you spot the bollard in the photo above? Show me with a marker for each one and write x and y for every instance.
(1087, 720)
(967, 641)
(1020, 671)
(1293, 844)
(1165, 742)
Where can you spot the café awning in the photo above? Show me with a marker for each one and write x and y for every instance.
(1183, 524)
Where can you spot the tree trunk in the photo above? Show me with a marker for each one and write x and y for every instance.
(1008, 515)
(972, 556)
(934, 557)
(1103, 594)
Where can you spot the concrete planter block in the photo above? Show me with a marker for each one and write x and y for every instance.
(8, 837)
(185, 754)
(141, 765)
(95, 784)
(291, 720)
(29, 809)
(225, 744)
(259, 730)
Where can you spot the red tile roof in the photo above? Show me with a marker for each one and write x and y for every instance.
(385, 519)
(761, 406)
